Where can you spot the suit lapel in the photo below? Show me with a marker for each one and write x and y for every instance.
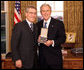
(34, 28)
(50, 27)
(42, 24)
(26, 26)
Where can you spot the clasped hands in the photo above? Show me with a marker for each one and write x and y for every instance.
(47, 43)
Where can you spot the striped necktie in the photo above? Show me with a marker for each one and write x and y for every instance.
(31, 26)
(45, 25)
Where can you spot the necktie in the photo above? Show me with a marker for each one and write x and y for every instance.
(31, 26)
(45, 25)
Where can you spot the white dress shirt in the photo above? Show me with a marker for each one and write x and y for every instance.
(48, 22)
(47, 25)
(29, 23)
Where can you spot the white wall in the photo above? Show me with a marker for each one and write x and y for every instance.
(57, 7)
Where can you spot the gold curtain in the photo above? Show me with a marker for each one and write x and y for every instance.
(73, 19)
(11, 5)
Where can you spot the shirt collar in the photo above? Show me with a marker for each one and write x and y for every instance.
(48, 21)
(28, 22)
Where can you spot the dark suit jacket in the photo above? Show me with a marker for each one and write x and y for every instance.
(56, 32)
(23, 43)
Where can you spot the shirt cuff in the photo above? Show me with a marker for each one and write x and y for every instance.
(53, 43)
(38, 44)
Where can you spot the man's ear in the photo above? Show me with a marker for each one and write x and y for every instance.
(25, 14)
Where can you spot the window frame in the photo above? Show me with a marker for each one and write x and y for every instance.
(6, 27)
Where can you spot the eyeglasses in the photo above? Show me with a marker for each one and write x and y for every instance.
(32, 13)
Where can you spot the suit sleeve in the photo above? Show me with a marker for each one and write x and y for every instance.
(61, 34)
(36, 35)
(15, 40)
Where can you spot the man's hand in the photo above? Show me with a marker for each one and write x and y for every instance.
(18, 63)
(48, 43)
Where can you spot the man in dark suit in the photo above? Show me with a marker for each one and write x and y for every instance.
(50, 55)
(24, 41)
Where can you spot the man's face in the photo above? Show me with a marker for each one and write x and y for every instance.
(31, 14)
(45, 12)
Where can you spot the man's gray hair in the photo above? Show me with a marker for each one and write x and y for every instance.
(45, 5)
(26, 10)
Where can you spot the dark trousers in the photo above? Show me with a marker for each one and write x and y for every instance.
(44, 65)
(35, 65)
